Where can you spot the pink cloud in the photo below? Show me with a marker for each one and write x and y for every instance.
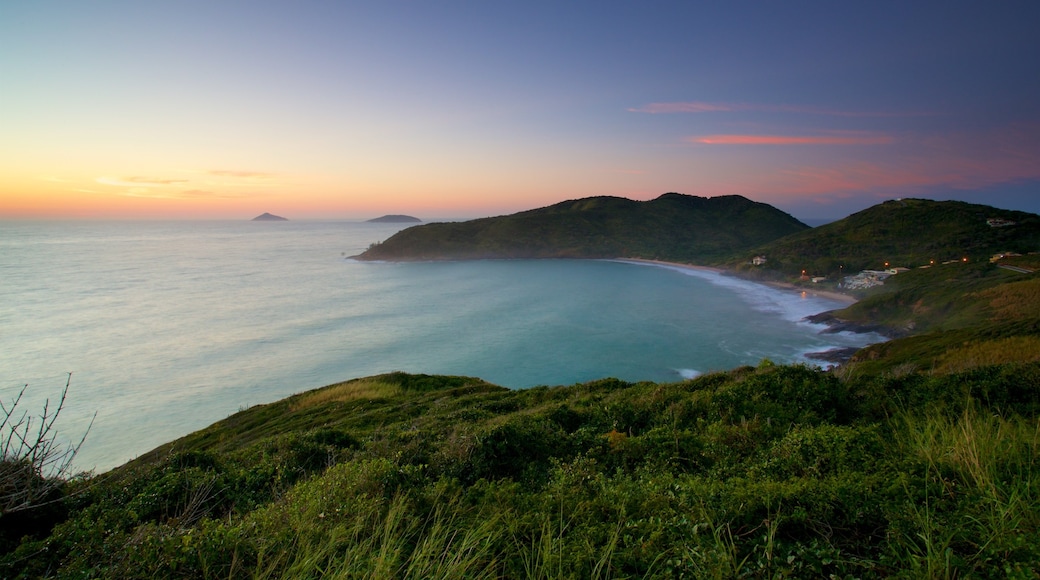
(687, 107)
(962, 161)
(835, 139)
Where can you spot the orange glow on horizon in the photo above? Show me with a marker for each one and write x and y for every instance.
(163, 197)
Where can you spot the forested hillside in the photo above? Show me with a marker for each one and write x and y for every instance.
(900, 233)
(671, 227)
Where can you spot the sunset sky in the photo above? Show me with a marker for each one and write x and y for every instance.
(451, 109)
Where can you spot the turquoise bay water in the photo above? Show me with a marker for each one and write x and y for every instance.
(169, 326)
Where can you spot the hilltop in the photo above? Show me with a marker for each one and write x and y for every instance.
(899, 233)
(267, 217)
(395, 219)
(671, 227)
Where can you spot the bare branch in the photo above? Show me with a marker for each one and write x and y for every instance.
(33, 463)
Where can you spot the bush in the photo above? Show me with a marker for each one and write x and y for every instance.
(34, 469)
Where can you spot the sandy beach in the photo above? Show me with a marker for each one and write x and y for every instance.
(838, 296)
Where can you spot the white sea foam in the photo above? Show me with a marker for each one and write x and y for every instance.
(791, 305)
(688, 373)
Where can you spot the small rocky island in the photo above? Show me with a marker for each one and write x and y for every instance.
(269, 217)
(395, 219)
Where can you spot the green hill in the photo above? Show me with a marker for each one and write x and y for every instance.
(950, 308)
(905, 233)
(771, 471)
(671, 227)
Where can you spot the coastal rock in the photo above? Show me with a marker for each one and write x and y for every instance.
(268, 217)
(836, 356)
(836, 325)
(395, 219)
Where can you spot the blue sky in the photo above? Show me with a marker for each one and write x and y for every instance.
(437, 109)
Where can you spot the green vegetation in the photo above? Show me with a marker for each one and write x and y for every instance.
(952, 309)
(775, 471)
(906, 232)
(948, 317)
(671, 227)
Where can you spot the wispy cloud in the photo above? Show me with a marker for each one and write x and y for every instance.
(242, 174)
(962, 161)
(208, 184)
(144, 192)
(138, 181)
(201, 193)
(688, 107)
(153, 180)
(706, 107)
(845, 138)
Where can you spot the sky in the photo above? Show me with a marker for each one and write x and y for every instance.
(453, 109)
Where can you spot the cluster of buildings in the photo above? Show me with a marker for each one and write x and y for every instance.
(872, 278)
(868, 278)
(865, 279)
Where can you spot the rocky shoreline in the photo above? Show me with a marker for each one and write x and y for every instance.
(835, 325)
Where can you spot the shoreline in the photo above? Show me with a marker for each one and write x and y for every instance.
(838, 355)
(832, 295)
(837, 296)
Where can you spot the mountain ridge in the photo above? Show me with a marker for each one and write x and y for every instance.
(672, 226)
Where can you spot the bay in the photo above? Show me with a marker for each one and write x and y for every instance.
(169, 326)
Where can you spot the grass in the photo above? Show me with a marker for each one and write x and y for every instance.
(771, 471)
(976, 353)
(989, 458)
(359, 389)
(1018, 300)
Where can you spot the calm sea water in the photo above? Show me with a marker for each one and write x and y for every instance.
(169, 326)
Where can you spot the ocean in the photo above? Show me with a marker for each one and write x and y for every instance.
(167, 327)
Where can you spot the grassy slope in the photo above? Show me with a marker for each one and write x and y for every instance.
(952, 315)
(671, 227)
(908, 233)
(758, 471)
(971, 316)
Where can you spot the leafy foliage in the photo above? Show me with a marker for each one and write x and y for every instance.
(767, 471)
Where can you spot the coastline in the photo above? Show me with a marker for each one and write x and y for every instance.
(835, 356)
(831, 295)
